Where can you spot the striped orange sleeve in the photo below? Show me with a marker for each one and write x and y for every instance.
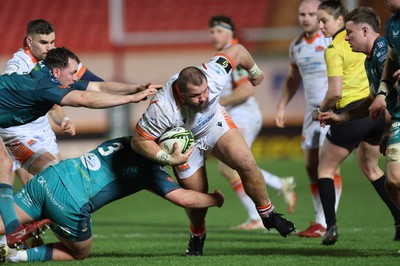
(228, 58)
(81, 71)
(143, 133)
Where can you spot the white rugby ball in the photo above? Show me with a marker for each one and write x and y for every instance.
(181, 135)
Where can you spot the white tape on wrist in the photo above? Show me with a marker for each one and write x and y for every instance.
(383, 89)
(66, 118)
(163, 157)
(254, 72)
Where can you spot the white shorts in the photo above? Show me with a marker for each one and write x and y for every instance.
(207, 142)
(313, 135)
(248, 121)
(25, 147)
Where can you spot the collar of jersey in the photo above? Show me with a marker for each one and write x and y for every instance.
(28, 52)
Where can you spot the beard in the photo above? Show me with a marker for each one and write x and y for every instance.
(199, 107)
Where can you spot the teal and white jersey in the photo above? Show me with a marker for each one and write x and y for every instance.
(110, 172)
(392, 35)
(24, 98)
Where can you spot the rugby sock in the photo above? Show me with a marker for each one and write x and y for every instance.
(379, 186)
(263, 211)
(248, 204)
(319, 211)
(41, 253)
(337, 180)
(7, 210)
(327, 195)
(198, 231)
(272, 180)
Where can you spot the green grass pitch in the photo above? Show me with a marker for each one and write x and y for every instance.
(144, 229)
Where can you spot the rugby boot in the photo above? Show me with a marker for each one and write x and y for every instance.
(282, 225)
(195, 246)
(25, 231)
(331, 236)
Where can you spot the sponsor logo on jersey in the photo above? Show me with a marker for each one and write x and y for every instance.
(331, 46)
(319, 48)
(91, 161)
(224, 63)
(395, 33)
(11, 69)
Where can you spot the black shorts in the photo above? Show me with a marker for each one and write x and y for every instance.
(349, 134)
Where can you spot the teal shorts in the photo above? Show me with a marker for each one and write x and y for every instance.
(46, 196)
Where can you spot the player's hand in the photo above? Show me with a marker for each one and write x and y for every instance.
(329, 118)
(142, 95)
(256, 81)
(378, 107)
(383, 145)
(178, 158)
(68, 127)
(280, 119)
(149, 85)
(219, 198)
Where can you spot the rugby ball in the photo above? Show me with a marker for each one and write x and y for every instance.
(181, 135)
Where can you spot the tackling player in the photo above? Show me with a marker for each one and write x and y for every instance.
(115, 172)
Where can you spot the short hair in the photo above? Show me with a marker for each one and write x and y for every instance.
(365, 15)
(39, 26)
(190, 75)
(334, 8)
(59, 57)
(217, 20)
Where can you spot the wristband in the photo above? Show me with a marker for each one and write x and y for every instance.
(66, 118)
(163, 157)
(254, 72)
(383, 88)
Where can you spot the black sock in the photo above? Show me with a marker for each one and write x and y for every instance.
(328, 198)
(379, 186)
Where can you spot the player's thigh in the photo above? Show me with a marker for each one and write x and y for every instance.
(232, 150)
(331, 156)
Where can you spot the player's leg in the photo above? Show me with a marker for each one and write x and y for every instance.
(331, 156)
(240, 158)
(192, 199)
(197, 181)
(7, 212)
(61, 251)
(368, 160)
(254, 220)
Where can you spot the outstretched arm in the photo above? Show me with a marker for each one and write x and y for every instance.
(240, 56)
(289, 89)
(193, 199)
(99, 100)
(119, 88)
(58, 115)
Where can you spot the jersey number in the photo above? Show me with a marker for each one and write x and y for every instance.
(110, 149)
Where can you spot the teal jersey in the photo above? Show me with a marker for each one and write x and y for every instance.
(25, 98)
(109, 172)
(392, 35)
(374, 65)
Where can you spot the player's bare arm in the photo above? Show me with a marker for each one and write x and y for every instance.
(332, 95)
(239, 95)
(120, 88)
(151, 150)
(64, 122)
(240, 56)
(289, 89)
(99, 100)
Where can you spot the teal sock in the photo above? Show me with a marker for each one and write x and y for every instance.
(41, 253)
(7, 210)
